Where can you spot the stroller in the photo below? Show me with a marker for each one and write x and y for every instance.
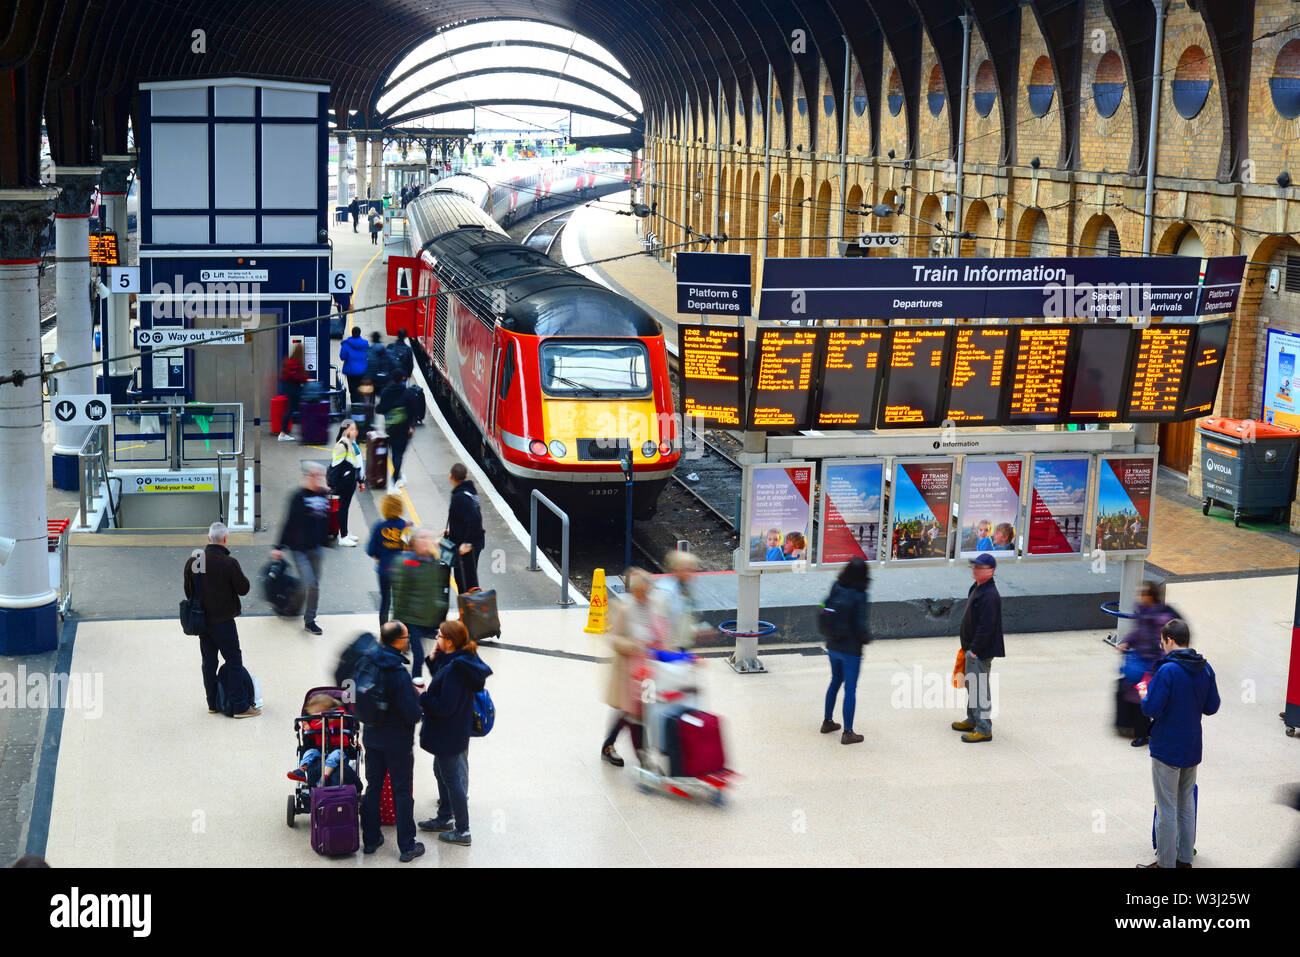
(341, 729)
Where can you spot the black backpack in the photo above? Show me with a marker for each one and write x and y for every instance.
(352, 654)
(282, 589)
(370, 699)
(230, 680)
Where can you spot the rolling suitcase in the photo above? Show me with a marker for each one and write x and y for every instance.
(478, 611)
(335, 818)
(282, 588)
(700, 737)
(416, 403)
(359, 412)
(314, 421)
(333, 538)
(669, 739)
(377, 460)
(279, 406)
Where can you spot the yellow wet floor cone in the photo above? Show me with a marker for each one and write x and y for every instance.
(599, 604)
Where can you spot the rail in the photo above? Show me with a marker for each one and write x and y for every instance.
(564, 542)
(92, 461)
(238, 456)
(56, 536)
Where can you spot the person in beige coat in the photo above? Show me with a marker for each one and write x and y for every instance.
(634, 625)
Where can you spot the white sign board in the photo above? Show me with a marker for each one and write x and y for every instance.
(201, 480)
(340, 281)
(80, 409)
(234, 275)
(880, 239)
(167, 338)
(123, 278)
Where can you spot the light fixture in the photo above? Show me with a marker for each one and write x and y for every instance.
(891, 154)
(882, 210)
(1035, 162)
(698, 197)
(1284, 179)
(778, 218)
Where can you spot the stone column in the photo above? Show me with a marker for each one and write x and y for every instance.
(362, 163)
(341, 172)
(117, 329)
(75, 334)
(377, 167)
(28, 614)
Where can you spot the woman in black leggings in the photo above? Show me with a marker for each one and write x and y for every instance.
(348, 475)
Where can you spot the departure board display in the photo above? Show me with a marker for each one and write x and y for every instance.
(1159, 366)
(850, 374)
(1100, 373)
(916, 376)
(978, 364)
(1206, 368)
(711, 369)
(1038, 374)
(783, 378)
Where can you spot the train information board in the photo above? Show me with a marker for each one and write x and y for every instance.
(1159, 368)
(1100, 373)
(103, 249)
(783, 378)
(1038, 374)
(850, 373)
(978, 366)
(914, 381)
(1206, 369)
(711, 370)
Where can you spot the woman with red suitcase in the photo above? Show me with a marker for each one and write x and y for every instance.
(294, 376)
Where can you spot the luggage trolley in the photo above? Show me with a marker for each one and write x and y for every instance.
(670, 686)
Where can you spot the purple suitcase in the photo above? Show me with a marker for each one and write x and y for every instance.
(314, 420)
(335, 818)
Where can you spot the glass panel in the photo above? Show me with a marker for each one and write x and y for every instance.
(572, 369)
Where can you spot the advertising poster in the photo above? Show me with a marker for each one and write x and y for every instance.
(852, 493)
(1058, 500)
(780, 514)
(922, 505)
(1124, 489)
(1280, 406)
(990, 506)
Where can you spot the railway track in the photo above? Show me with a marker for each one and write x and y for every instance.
(546, 234)
(711, 476)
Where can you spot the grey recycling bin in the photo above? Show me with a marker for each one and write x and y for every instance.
(1248, 466)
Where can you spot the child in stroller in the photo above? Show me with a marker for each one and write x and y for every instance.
(326, 728)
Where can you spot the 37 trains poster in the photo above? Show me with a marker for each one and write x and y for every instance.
(922, 506)
(1125, 485)
(990, 506)
(779, 514)
(852, 493)
(1057, 502)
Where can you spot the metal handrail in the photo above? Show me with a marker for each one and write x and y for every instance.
(564, 542)
(238, 456)
(92, 461)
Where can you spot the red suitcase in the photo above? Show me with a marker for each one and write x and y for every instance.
(699, 738)
(334, 520)
(387, 809)
(279, 406)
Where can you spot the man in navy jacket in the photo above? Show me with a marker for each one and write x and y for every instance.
(981, 639)
(1180, 691)
(465, 528)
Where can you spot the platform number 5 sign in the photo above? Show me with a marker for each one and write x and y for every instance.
(340, 281)
(123, 278)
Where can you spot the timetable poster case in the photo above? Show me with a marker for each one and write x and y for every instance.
(989, 510)
(921, 513)
(852, 511)
(1280, 405)
(1124, 494)
(778, 516)
(711, 371)
(1057, 516)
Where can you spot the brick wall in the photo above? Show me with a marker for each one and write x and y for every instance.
(934, 132)
(1188, 148)
(983, 133)
(893, 129)
(1105, 142)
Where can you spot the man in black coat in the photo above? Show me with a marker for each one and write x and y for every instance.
(465, 528)
(395, 406)
(390, 747)
(981, 639)
(355, 209)
(305, 531)
(400, 352)
(220, 583)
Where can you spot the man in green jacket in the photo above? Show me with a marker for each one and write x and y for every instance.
(420, 593)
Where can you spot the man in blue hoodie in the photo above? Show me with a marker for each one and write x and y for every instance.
(1180, 691)
(353, 353)
(390, 747)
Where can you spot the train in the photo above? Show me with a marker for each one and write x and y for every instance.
(509, 192)
(557, 376)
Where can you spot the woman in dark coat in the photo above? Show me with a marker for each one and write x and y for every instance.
(848, 598)
(1141, 651)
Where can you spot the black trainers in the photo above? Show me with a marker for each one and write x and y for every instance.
(611, 756)
(412, 853)
(434, 824)
(848, 737)
(1139, 742)
(371, 848)
(455, 837)
(828, 726)
(312, 627)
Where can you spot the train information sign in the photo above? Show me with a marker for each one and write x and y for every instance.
(1038, 374)
(918, 363)
(978, 366)
(103, 249)
(712, 364)
(850, 373)
(1206, 368)
(783, 378)
(1159, 367)
(1100, 373)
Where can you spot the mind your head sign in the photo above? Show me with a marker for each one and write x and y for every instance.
(1109, 287)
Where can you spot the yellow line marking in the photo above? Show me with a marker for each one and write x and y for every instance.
(363, 272)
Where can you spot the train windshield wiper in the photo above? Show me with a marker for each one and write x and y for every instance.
(576, 385)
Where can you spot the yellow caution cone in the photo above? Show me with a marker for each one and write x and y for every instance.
(599, 604)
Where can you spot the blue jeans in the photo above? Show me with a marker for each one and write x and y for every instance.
(452, 772)
(417, 634)
(385, 597)
(844, 671)
(309, 565)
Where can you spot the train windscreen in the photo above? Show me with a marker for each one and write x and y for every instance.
(606, 369)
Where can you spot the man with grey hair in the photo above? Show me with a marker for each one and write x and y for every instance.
(214, 577)
(304, 534)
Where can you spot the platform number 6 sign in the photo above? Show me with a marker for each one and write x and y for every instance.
(340, 280)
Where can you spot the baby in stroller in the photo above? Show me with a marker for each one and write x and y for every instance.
(329, 749)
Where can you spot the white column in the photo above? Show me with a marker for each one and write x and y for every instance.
(341, 172)
(75, 334)
(377, 168)
(117, 335)
(362, 164)
(28, 620)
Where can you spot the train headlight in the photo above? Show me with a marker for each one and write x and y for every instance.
(537, 447)
(557, 449)
(648, 449)
(665, 447)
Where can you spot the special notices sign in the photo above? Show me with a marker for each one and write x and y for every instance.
(711, 367)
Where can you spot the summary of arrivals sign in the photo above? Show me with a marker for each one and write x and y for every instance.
(716, 283)
(1083, 287)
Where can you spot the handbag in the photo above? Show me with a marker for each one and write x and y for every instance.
(959, 669)
(194, 620)
(1132, 668)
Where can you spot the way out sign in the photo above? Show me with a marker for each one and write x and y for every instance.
(80, 409)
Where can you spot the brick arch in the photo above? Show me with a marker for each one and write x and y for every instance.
(1238, 393)
(1089, 238)
(1174, 236)
(1025, 229)
(852, 223)
(735, 224)
(752, 230)
(923, 227)
(792, 228)
(819, 243)
(979, 222)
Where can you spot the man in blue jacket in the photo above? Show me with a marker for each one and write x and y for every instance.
(390, 747)
(353, 353)
(1180, 691)
(981, 639)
